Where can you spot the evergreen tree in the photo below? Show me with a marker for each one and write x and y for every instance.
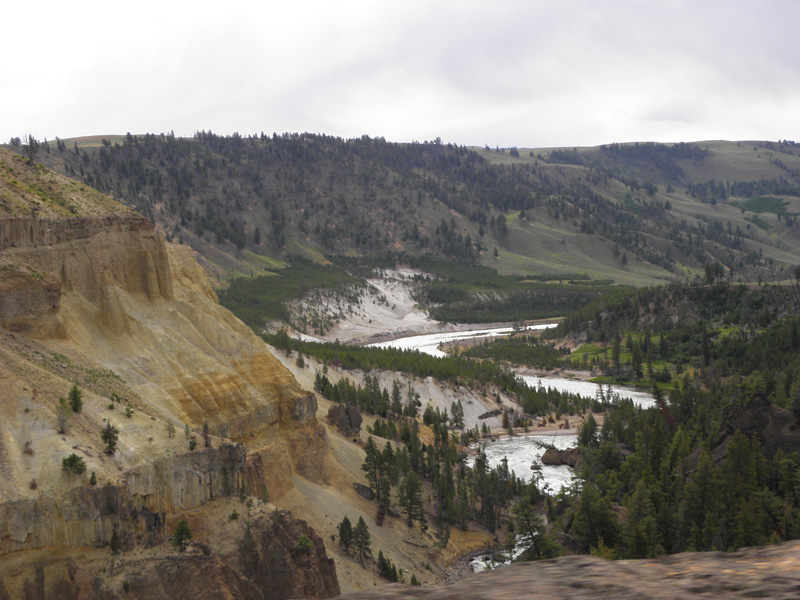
(181, 535)
(616, 350)
(248, 551)
(641, 534)
(410, 498)
(386, 568)
(587, 436)
(110, 437)
(396, 403)
(372, 464)
(345, 534)
(594, 521)
(361, 540)
(530, 526)
(701, 505)
(76, 398)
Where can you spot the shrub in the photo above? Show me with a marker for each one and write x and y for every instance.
(62, 414)
(303, 544)
(73, 463)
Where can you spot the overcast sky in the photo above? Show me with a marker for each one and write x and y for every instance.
(508, 73)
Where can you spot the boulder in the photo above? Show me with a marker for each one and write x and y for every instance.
(555, 457)
(346, 418)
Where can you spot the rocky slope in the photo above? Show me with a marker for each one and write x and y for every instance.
(89, 294)
(269, 566)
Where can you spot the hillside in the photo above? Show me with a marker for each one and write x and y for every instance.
(209, 424)
(94, 304)
(635, 213)
(93, 299)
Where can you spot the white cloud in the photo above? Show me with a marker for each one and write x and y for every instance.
(505, 73)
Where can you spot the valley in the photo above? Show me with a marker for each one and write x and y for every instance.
(242, 321)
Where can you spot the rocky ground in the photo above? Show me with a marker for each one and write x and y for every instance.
(770, 572)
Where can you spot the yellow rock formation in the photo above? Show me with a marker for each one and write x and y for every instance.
(99, 299)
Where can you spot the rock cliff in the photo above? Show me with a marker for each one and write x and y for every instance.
(270, 566)
(90, 294)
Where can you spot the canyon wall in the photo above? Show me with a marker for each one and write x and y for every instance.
(108, 293)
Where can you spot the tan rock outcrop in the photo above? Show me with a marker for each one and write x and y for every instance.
(109, 294)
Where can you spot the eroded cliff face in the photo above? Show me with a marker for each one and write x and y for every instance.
(90, 293)
(268, 566)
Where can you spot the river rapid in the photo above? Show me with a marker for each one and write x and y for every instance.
(524, 451)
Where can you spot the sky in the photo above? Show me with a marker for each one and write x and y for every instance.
(499, 73)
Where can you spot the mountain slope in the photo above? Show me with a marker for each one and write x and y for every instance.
(92, 296)
(634, 213)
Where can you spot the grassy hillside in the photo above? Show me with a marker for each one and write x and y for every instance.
(635, 213)
(28, 189)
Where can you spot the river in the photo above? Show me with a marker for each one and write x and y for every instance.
(587, 388)
(429, 343)
(523, 451)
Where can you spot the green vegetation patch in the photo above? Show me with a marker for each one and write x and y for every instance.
(260, 299)
(764, 204)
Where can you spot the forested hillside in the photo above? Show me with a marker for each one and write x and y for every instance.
(634, 213)
(714, 466)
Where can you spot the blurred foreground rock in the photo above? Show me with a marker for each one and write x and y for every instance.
(769, 572)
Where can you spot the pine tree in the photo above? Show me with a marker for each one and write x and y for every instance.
(361, 539)
(410, 498)
(248, 551)
(110, 437)
(594, 521)
(530, 526)
(76, 398)
(345, 534)
(587, 436)
(372, 464)
(181, 535)
(701, 504)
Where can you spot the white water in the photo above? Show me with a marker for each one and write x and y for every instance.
(525, 451)
(429, 343)
(587, 388)
(522, 451)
